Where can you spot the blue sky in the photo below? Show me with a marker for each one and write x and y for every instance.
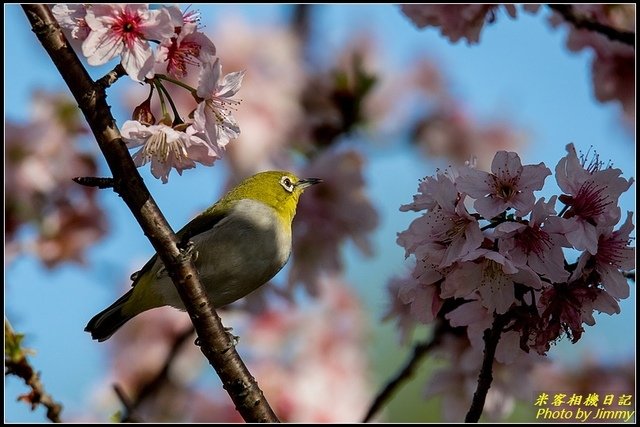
(521, 72)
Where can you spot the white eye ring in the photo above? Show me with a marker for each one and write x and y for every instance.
(287, 183)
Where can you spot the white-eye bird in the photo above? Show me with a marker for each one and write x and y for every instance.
(239, 243)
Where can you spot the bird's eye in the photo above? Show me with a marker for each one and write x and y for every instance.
(287, 184)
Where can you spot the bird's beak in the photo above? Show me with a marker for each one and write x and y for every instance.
(307, 182)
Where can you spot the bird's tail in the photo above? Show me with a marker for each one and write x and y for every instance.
(105, 323)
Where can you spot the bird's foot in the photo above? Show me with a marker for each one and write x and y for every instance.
(189, 251)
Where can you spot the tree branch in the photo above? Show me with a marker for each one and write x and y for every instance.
(583, 22)
(16, 363)
(491, 339)
(111, 77)
(91, 97)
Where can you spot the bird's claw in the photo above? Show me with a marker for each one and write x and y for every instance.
(189, 251)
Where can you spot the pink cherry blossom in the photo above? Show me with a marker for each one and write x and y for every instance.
(72, 17)
(613, 254)
(433, 192)
(213, 114)
(511, 185)
(422, 299)
(166, 147)
(446, 229)
(125, 30)
(564, 307)
(189, 47)
(492, 276)
(592, 196)
(537, 244)
(398, 308)
(476, 318)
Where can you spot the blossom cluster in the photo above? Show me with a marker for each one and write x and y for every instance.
(506, 256)
(127, 31)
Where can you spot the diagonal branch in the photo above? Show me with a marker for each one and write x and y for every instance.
(420, 350)
(91, 97)
(16, 363)
(583, 22)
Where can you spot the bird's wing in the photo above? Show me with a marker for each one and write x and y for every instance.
(201, 223)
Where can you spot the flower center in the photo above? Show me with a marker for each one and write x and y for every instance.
(590, 202)
(127, 27)
(533, 240)
(505, 188)
(611, 251)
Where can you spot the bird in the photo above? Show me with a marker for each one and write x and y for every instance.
(239, 243)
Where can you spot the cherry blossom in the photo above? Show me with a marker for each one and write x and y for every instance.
(564, 307)
(166, 147)
(592, 195)
(537, 244)
(72, 17)
(213, 114)
(511, 185)
(398, 308)
(492, 276)
(125, 30)
(447, 228)
(613, 255)
(189, 47)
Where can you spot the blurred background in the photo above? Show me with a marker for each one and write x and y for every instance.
(356, 95)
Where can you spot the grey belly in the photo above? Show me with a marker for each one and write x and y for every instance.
(236, 257)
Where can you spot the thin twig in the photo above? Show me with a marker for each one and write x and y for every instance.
(583, 22)
(111, 77)
(420, 350)
(491, 339)
(93, 181)
(214, 341)
(16, 363)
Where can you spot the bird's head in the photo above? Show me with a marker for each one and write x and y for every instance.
(279, 189)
